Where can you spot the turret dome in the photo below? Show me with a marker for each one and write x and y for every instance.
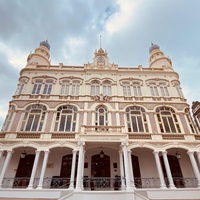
(46, 44)
(153, 47)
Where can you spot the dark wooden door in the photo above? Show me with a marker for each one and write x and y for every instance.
(24, 170)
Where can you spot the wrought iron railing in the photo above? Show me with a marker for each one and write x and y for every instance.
(155, 182)
(97, 183)
(102, 183)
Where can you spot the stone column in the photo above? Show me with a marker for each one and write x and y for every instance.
(167, 167)
(160, 173)
(198, 156)
(85, 114)
(44, 165)
(126, 165)
(82, 175)
(37, 154)
(117, 114)
(71, 186)
(194, 166)
(5, 166)
(80, 166)
(1, 160)
(131, 169)
(122, 170)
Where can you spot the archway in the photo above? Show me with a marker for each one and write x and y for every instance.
(175, 171)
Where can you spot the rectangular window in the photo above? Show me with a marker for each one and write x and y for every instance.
(107, 90)
(36, 88)
(75, 89)
(47, 88)
(154, 91)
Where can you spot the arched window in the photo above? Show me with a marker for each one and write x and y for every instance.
(136, 119)
(126, 89)
(190, 121)
(164, 90)
(20, 87)
(167, 120)
(95, 88)
(66, 118)
(34, 118)
(154, 89)
(75, 88)
(101, 116)
(8, 119)
(65, 88)
(107, 88)
(137, 89)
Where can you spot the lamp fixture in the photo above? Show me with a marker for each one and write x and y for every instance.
(178, 155)
(23, 154)
(101, 154)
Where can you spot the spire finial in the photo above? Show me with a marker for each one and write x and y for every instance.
(100, 41)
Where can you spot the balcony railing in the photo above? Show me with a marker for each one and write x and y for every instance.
(102, 129)
(102, 183)
(98, 183)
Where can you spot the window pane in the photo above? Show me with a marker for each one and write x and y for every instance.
(34, 89)
(69, 121)
(35, 123)
(166, 125)
(62, 123)
(141, 129)
(101, 120)
(45, 89)
(49, 89)
(29, 123)
(172, 124)
(38, 88)
(134, 124)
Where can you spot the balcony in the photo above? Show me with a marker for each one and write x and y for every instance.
(98, 183)
(102, 129)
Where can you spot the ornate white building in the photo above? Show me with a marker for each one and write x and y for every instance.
(99, 131)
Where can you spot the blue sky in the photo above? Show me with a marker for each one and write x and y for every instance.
(73, 27)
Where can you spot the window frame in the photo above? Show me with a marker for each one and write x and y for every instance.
(167, 120)
(33, 118)
(136, 120)
(66, 118)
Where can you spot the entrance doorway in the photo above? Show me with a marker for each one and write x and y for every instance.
(24, 170)
(63, 180)
(100, 171)
(175, 171)
(100, 166)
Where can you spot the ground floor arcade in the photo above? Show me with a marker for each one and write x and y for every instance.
(99, 166)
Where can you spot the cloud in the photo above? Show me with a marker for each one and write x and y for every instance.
(73, 29)
(15, 57)
(122, 18)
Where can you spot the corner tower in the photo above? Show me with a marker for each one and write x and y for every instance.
(41, 56)
(158, 60)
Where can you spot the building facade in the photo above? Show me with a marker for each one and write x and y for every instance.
(76, 132)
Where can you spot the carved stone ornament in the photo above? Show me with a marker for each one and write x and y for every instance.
(101, 97)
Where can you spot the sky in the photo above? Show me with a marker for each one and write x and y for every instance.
(73, 29)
